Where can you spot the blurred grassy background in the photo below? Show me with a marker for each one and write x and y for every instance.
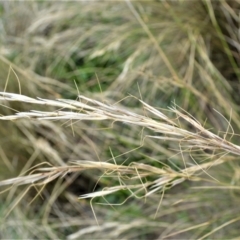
(185, 52)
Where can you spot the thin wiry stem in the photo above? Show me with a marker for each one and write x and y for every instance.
(94, 110)
(161, 126)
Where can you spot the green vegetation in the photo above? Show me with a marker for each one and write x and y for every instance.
(135, 128)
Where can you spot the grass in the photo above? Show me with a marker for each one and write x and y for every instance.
(134, 132)
(139, 179)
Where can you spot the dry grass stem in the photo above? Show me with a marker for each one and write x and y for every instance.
(94, 110)
(162, 127)
(179, 164)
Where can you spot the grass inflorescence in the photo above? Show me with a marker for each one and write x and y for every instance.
(119, 119)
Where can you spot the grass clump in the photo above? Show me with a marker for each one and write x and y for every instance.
(95, 75)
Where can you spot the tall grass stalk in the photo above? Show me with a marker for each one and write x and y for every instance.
(151, 173)
(162, 127)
